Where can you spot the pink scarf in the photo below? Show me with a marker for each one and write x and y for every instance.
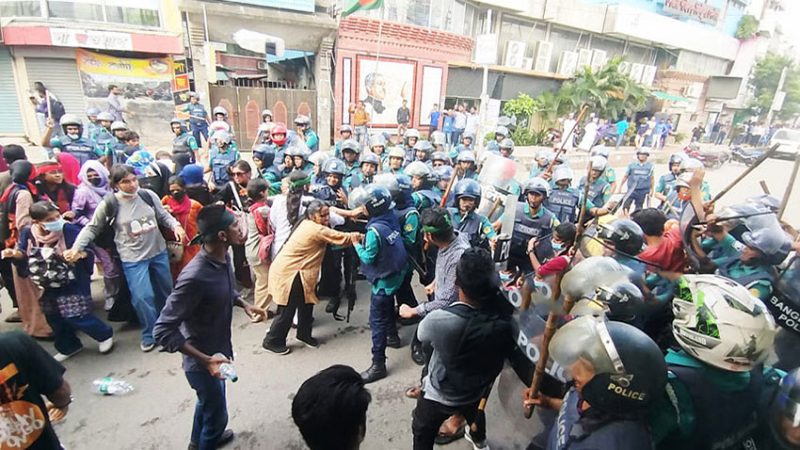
(51, 239)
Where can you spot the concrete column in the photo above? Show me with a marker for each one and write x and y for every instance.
(325, 102)
(199, 60)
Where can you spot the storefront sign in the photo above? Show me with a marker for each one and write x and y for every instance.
(104, 40)
(693, 9)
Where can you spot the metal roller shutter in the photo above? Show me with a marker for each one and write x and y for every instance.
(61, 78)
(10, 118)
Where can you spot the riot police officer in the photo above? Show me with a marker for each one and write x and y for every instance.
(184, 146)
(221, 157)
(369, 168)
(333, 193)
(599, 188)
(666, 182)
(507, 149)
(463, 146)
(118, 147)
(377, 145)
(620, 301)
(543, 159)
(198, 118)
(439, 158)
(346, 132)
(91, 125)
(465, 168)
(532, 220)
(300, 154)
(422, 182)
(264, 128)
(622, 240)
(467, 221)
(410, 139)
(500, 133)
(72, 140)
(395, 161)
(422, 152)
(220, 123)
(639, 178)
(303, 125)
(565, 201)
(610, 174)
(264, 159)
(350, 151)
(780, 421)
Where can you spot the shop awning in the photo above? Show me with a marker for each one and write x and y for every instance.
(287, 55)
(669, 97)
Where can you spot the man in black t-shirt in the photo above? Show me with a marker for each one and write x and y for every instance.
(27, 372)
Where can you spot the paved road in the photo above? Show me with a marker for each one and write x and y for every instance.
(158, 414)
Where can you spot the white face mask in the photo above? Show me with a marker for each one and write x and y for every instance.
(129, 195)
(73, 136)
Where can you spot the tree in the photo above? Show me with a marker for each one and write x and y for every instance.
(764, 80)
(608, 92)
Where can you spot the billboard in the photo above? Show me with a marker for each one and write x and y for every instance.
(383, 85)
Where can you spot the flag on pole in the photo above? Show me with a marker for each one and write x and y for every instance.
(357, 5)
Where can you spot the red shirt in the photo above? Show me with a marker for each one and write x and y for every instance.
(669, 254)
(553, 266)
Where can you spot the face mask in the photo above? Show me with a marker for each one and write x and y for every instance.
(73, 136)
(95, 182)
(54, 226)
(130, 195)
(557, 246)
(179, 196)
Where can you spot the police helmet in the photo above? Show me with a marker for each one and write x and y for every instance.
(501, 130)
(774, 244)
(105, 116)
(120, 125)
(266, 113)
(626, 235)
(423, 145)
(411, 133)
(302, 120)
(264, 153)
(562, 172)
(370, 158)
(438, 138)
(537, 185)
(346, 128)
(351, 145)
(298, 149)
(785, 407)
(507, 143)
(599, 163)
(683, 180)
(404, 182)
(219, 110)
(469, 136)
(600, 150)
(279, 130)
(443, 173)
(440, 156)
(466, 156)
(623, 300)
(93, 111)
(629, 368)
(418, 169)
(357, 197)
(467, 188)
(675, 158)
(70, 119)
(546, 154)
(718, 322)
(397, 152)
(389, 181)
(643, 151)
(379, 200)
(377, 141)
(335, 166)
(223, 137)
(319, 158)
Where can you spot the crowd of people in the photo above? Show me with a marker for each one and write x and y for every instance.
(674, 315)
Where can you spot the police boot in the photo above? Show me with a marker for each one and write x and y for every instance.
(333, 305)
(374, 373)
(417, 355)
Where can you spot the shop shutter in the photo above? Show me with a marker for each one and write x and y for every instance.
(10, 117)
(61, 78)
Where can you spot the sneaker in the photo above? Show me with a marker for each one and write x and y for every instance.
(147, 347)
(309, 342)
(106, 346)
(482, 445)
(60, 357)
(108, 304)
(278, 349)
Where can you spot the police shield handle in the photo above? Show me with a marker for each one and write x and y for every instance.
(569, 135)
(747, 171)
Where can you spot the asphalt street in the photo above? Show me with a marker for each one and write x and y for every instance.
(158, 414)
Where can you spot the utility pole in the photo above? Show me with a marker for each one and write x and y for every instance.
(484, 91)
(778, 93)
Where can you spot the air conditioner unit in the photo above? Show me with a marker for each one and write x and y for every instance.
(544, 52)
(624, 68)
(693, 90)
(636, 72)
(584, 58)
(648, 75)
(262, 65)
(527, 63)
(567, 63)
(515, 54)
(598, 59)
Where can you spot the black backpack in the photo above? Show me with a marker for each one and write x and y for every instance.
(105, 239)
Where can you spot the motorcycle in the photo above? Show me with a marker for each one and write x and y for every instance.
(746, 156)
(710, 159)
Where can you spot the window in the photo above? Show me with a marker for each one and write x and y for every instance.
(638, 54)
(141, 12)
(612, 47)
(11, 8)
(76, 9)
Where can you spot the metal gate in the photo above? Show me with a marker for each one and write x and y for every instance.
(10, 114)
(244, 105)
(62, 79)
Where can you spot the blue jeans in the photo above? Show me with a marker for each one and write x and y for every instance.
(150, 282)
(211, 411)
(620, 140)
(65, 338)
(456, 135)
(382, 323)
(197, 132)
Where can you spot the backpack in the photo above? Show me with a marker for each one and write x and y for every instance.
(238, 210)
(266, 237)
(105, 239)
(47, 269)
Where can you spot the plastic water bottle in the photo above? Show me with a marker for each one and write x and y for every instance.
(111, 386)
(227, 370)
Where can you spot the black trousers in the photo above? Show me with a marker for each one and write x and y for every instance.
(241, 268)
(405, 294)
(8, 279)
(428, 416)
(283, 321)
(330, 280)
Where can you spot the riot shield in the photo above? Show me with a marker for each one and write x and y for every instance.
(784, 304)
(591, 273)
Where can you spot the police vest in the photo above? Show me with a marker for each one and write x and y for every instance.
(723, 420)
(564, 203)
(392, 255)
(328, 194)
(220, 162)
(746, 280)
(527, 227)
(596, 190)
(80, 148)
(120, 151)
(575, 432)
(181, 144)
(668, 181)
(432, 196)
(639, 177)
(469, 226)
(200, 114)
(673, 206)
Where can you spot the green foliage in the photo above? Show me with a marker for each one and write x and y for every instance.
(747, 28)
(524, 106)
(764, 80)
(679, 138)
(524, 136)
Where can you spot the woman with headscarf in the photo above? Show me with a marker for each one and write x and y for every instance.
(152, 174)
(10, 154)
(51, 186)
(92, 189)
(17, 200)
(71, 167)
(196, 187)
(185, 211)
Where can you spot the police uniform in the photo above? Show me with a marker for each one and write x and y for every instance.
(426, 198)
(599, 190)
(666, 184)
(184, 147)
(356, 180)
(528, 225)
(756, 278)
(197, 120)
(565, 204)
(475, 226)
(536, 171)
(639, 175)
(408, 217)
(273, 176)
(219, 162)
(82, 149)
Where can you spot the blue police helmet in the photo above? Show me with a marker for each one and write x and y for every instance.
(264, 153)
(467, 188)
(378, 201)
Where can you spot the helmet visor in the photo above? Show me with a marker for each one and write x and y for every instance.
(585, 339)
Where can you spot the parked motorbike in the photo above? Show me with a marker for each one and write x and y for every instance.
(746, 156)
(711, 159)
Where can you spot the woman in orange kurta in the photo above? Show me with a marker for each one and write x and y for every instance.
(185, 210)
(294, 273)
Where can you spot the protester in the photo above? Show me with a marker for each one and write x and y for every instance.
(330, 409)
(10, 154)
(259, 237)
(50, 185)
(185, 211)
(196, 187)
(135, 215)
(196, 321)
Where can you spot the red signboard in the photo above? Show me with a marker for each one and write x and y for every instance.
(693, 9)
